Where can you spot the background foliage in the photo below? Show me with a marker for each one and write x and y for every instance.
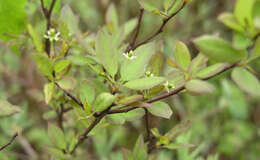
(224, 123)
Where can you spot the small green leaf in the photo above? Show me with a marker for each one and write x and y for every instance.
(147, 5)
(246, 81)
(67, 83)
(112, 18)
(129, 26)
(130, 99)
(7, 109)
(218, 49)
(197, 87)
(155, 132)
(49, 90)
(140, 149)
(144, 83)
(243, 11)
(168, 4)
(135, 68)
(211, 70)
(56, 136)
(35, 38)
(256, 52)
(198, 63)
(178, 130)
(103, 101)
(174, 146)
(61, 65)
(230, 21)
(67, 16)
(182, 55)
(160, 109)
(241, 41)
(44, 64)
(87, 95)
(156, 64)
(80, 60)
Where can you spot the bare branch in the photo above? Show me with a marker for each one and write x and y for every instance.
(10, 142)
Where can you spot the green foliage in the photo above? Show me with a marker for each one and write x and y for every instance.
(8, 109)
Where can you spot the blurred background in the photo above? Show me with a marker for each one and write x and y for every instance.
(226, 123)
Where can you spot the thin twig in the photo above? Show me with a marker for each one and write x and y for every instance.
(60, 116)
(160, 30)
(132, 44)
(147, 126)
(10, 142)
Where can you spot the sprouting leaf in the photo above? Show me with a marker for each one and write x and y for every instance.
(57, 136)
(61, 65)
(246, 81)
(135, 68)
(243, 11)
(218, 49)
(211, 70)
(182, 55)
(44, 64)
(7, 109)
(67, 16)
(106, 50)
(103, 101)
(35, 38)
(144, 83)
(230, 21)
(12, 17)
(112, 18)
(140, 149)
(49, 90)
(197, 87)
(160, 109)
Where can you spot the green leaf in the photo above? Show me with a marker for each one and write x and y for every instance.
(106, 50)
(218, 49)
(130, 99)
(243, 11)
(112, 18)
(144, 83)
(35, 38)
(197, 87)
(211, 70)
(134, 114)
(133, 69)
(67, 83)
(178, 130)
(129, 26)
(246, 81)
(81, 60)
(49, 90)
(241, 41)
(87, 95)
(56, 136)
(160, 109)
(44, 64)
(12, 17)
(230, 21)
(198, 63)
(168, 4)
(103, 101)
(174, 146)
(182, 55)
(61, 65)
(7, 109)
(147, 5)
(140, 149)
(256, 52)
(156, 64)
(67, 16)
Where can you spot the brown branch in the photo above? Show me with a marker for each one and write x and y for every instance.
(160, 30)
(60, 113)
(10, 142)
(132, 44)
(71, 97)
(147, 126)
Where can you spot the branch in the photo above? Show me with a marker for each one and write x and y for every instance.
(160, 30)
(132, 44)
(10, 142)
(147, 126)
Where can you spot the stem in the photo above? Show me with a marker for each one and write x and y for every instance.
(10, 142)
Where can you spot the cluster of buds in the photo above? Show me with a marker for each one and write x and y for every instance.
(129, 55)
(52, 35)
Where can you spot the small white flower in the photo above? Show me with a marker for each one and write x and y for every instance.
(168, 86)
(149, 74)
(129, 55)
(52, 35)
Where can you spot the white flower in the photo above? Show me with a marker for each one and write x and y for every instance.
(129, 55)
(52, 35)
(149, 74)
(168, 86)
